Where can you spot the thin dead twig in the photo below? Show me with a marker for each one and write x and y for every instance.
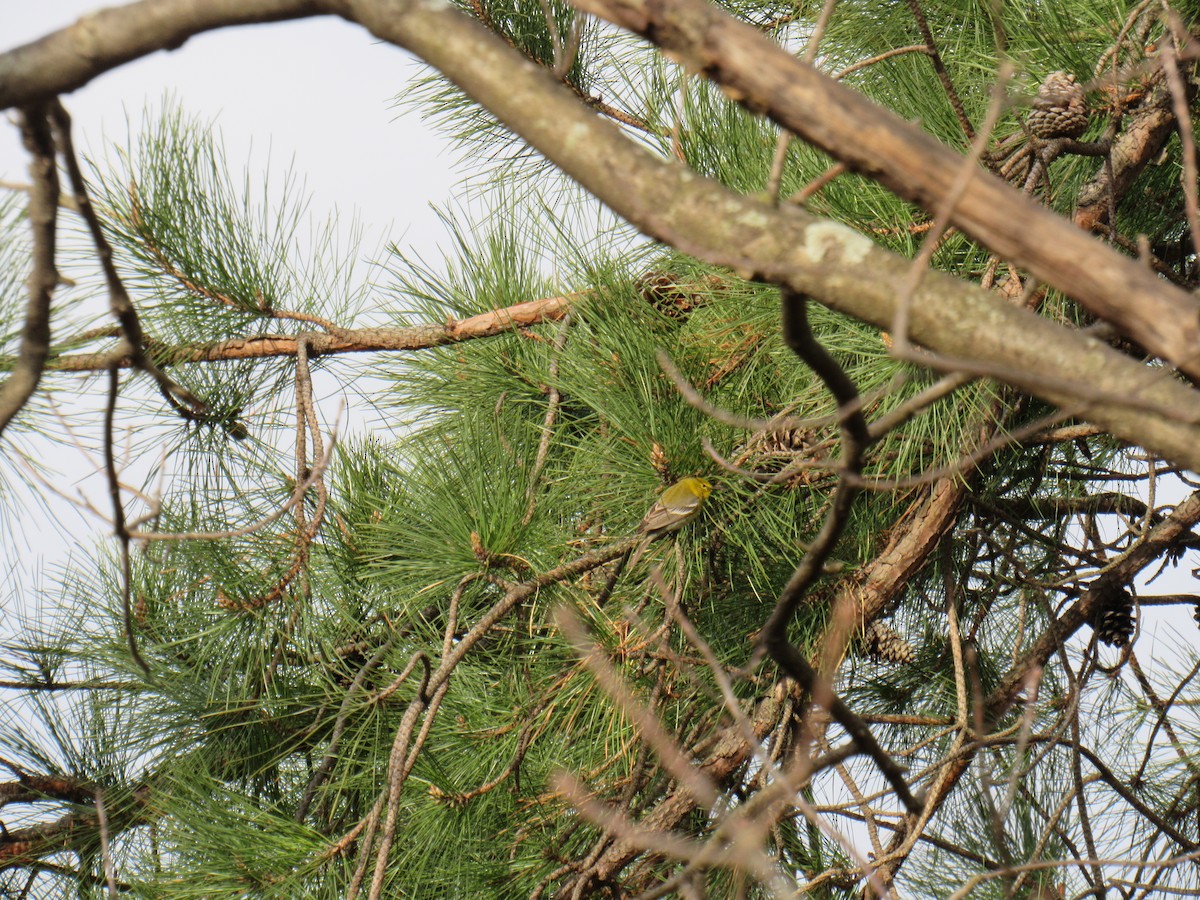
(966, 173)
(702, 790)
(339, 727)
(120, 303)
(552, 404)
(1005, 871)
(1163, 708)
(298, 494)
(110, 874)
(27, 371)
(939, 66)
(887, 54)
(454, 649)
(118, 521)
(792, 779)
(1169, 56)
(773, 638)
(784, 139)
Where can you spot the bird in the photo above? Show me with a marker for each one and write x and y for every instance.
(674, 508)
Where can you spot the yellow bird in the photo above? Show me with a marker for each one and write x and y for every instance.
(675, 507)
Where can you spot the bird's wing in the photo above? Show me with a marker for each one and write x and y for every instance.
(664, 514)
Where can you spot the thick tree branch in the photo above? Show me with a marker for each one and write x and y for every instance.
(69, 58)
(1141, 140)
(788, 246)
(876, 142)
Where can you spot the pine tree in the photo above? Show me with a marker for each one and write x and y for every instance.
(905, 642)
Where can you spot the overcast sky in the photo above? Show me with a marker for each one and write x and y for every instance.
(318, 93)
(316, 96)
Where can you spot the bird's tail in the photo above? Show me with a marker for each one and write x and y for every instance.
(640, 551)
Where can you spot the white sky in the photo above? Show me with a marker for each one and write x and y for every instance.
(316, 92)
(315, 96)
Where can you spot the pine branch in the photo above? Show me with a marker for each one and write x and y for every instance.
(663, 200)
(345, 340)
(920, 169)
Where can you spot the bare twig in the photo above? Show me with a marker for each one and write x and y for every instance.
(315, 474)
(110, 873)
(940, 67)
(552, 402)
(887, 54)
(118, 519)
(339, 727)
(945, 210)
(455, 648)
(1169, 57)
(773, 638)
(650, 728)
(120, 302)
(43, 276)
(806, 193)
(784, 140)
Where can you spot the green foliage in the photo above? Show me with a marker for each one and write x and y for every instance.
(285, 663)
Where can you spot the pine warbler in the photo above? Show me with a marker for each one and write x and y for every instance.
(675, 507)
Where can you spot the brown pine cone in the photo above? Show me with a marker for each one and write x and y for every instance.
(781, 441)
(1059, 110)
(884, 643)
(774, 448)
(1112, 618)
(676, 296)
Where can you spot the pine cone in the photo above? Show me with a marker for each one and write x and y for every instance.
(884, 643)
(1112, 619)
(1059, 110)
(789, 441)
(675, 296)
(771, 450)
